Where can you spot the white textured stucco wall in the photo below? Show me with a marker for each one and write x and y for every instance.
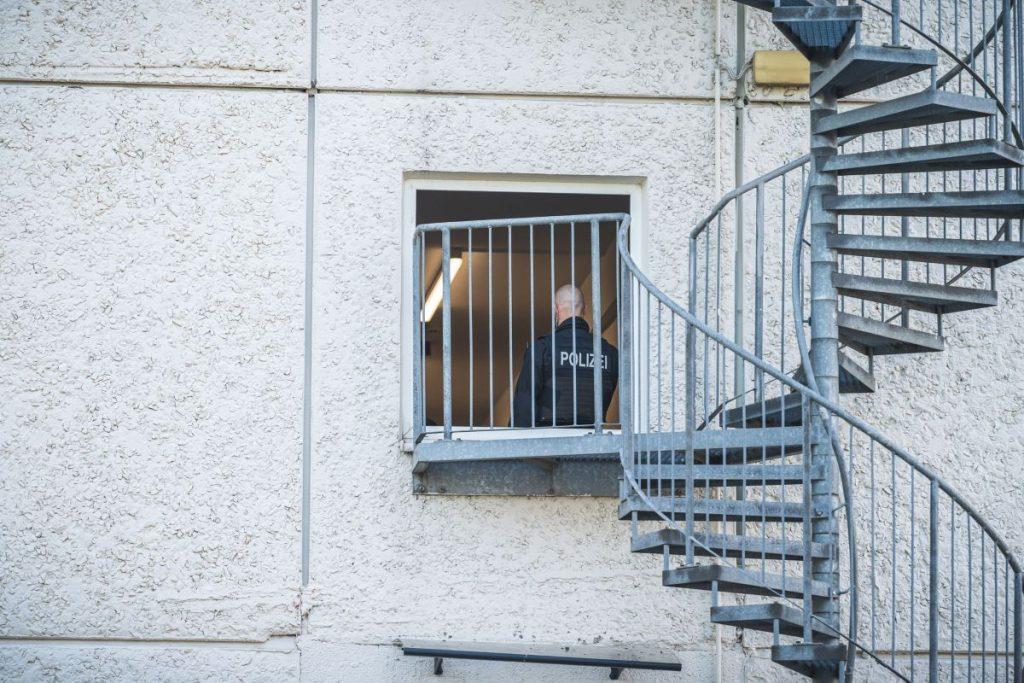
(147, 41)
(152, 270)
(152, 327)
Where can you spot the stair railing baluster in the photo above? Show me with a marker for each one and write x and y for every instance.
(446, 329)
(759, 287)
(595, 314)
(691, 371)
(1018, 628)
(933, 581)
(419, 397)
(895, 23)
(806, 407)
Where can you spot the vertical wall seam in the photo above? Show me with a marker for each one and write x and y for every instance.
(307, 356)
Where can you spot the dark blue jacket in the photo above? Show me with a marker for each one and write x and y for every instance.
(556, 383)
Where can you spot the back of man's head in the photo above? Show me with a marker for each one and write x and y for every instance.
(568, 302)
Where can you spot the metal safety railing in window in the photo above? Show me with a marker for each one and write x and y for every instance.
(515, 326)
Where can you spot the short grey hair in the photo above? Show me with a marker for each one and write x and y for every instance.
(569, 297)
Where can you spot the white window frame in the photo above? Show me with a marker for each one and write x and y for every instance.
(633, 187)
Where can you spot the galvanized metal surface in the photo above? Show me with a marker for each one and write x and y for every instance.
(695, 400)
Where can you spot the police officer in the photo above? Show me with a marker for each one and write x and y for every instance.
(569, 352)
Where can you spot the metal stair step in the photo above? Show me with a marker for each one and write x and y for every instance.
(862, 67)
(820, 31)
(916, 295)
(920, 109)
(853, 379)
(819, 661)
(767, 413)
(736, 580)
(984, 204)
(968, 155)
(712, 509)
(769, 5)
(724, 545)
(880, 338)
(717, 476)
(979, 253)
(719, 446)
(762, 617)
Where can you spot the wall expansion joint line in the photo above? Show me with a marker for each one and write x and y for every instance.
(314, 87)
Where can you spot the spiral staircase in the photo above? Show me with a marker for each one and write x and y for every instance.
(742, 469)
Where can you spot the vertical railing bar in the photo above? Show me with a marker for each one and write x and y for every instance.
(417, 332)
(892, 568)
(626, 328)
(995, 595)
(1018, 628)
(912, 634)
(759, 288)
(707, 306)
(554, 402)
(446, 344)
(659, 402)
(895, 35)
(952, 587)
(469, 307)
(574, 364)
(806, 408)
(595, 307)
(533, 339)
(490, 324)
(511, 332)
(874, 557)
(646, 419)
(691, 369)
(672, 400)
(1007, 75)
(970, 600)
(1006, 618)
(618, 299)
(933, 582)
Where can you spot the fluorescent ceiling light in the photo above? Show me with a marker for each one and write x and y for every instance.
(436, 294)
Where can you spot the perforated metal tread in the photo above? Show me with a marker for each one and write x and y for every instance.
(983, 204)
(736, 580)
(819, 661)
(920, 109)
(916, 295)
(968, 155)
(819, 31)
(719, 446)
(714, 476)
(785, 410)
(725, 545)
(763, 617)
(712, 509)
(979, 253)
(881, 338)
(862, 67)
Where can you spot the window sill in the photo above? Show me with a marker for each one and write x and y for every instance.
(534, 462)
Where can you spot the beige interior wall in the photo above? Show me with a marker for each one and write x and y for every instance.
(491, 369)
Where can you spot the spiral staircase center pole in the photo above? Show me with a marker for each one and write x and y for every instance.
(824, 342)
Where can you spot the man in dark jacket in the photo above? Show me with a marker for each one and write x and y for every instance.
(556, 384)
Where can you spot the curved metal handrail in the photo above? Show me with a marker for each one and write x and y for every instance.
(813, 396)
(833, 409)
